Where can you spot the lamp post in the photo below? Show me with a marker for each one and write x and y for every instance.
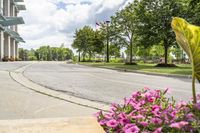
(107, 44)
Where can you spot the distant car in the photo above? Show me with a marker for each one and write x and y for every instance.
(69, 61)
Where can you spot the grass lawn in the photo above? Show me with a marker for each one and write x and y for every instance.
(182, 69)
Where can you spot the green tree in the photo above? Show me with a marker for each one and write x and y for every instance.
(155, 18)
(23, 54)
(123, 28)
(114, 50)
(83, 40)
(48, 53)
(88, 42)
(31, 55)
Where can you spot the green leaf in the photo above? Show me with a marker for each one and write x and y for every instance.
(188, 37)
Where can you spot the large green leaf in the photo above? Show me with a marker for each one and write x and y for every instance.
(188, 37)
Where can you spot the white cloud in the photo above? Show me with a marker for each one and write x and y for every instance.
(53, 22)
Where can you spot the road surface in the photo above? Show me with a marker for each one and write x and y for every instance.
(102, 85)
(18, 102)
(95, 84)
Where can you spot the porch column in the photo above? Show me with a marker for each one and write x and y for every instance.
(16, 50)
(7, 45)
(1, 6)
(1, 44)
(6, 7)
(12, 55)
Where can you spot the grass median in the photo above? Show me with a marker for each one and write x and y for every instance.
(182, 69)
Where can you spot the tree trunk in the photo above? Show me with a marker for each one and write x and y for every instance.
(166, 55)
(79, 57)
(90, 56)
(166, 52)
(83, 57)
(131, 52)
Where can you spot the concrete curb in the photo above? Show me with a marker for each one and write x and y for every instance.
(58, 125)
(146, 73)
(17, 75)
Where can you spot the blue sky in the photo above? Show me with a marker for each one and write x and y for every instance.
(53, 22)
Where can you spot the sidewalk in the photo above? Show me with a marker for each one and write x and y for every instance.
(18, 102)
(73, 125)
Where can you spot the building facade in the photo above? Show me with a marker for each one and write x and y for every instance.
(9, 37)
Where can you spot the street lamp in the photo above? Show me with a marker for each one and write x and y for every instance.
(107, 44)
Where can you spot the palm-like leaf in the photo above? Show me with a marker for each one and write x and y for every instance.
(188, 37)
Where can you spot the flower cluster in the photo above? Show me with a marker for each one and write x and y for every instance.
(150, 111)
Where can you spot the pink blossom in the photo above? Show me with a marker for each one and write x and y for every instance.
(198, 106)
(181, 104)
(190, 117)
(131, 128)
(103, 122)
(112, 123)
(198, 97)
(158, 130)
(124, 121)
(156, 108)
(151, 99)
(179, 125)
(147, 110)
(136, 94)
(138, 117)
(156, 121)
(144, 124)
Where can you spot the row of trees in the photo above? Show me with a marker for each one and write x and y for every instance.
(46, 53)
(141, 25)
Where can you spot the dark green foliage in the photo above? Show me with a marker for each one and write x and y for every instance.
(46, 53)
(88, 42)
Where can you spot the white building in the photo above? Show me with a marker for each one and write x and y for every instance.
(9, 38)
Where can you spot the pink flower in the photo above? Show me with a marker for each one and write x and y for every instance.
(156, 121)
(158, 130)
(131, 128)
(138, 117)
(144, 124)
(151, 99)
(198, 106)
(181, 104)
(155, 109)
(179, 125)
(112, 123)
(190, 117)
(124, 121)
(198, 97)
(102, 122)
(136, 94)
(114, 107)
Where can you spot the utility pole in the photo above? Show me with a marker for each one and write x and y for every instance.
(107, 45)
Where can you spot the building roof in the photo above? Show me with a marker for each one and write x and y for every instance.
(9, 21)
(18, 4)
(18, 0)
(20, 7)
(14, 35)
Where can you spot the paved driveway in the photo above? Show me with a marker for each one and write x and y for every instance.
(101, 84)
(18, 102)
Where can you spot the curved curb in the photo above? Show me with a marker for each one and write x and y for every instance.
(17, 75)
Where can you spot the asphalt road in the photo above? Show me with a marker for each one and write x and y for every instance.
(18, 102)
(102, 85)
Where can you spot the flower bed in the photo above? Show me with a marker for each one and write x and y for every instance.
(150, 111)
